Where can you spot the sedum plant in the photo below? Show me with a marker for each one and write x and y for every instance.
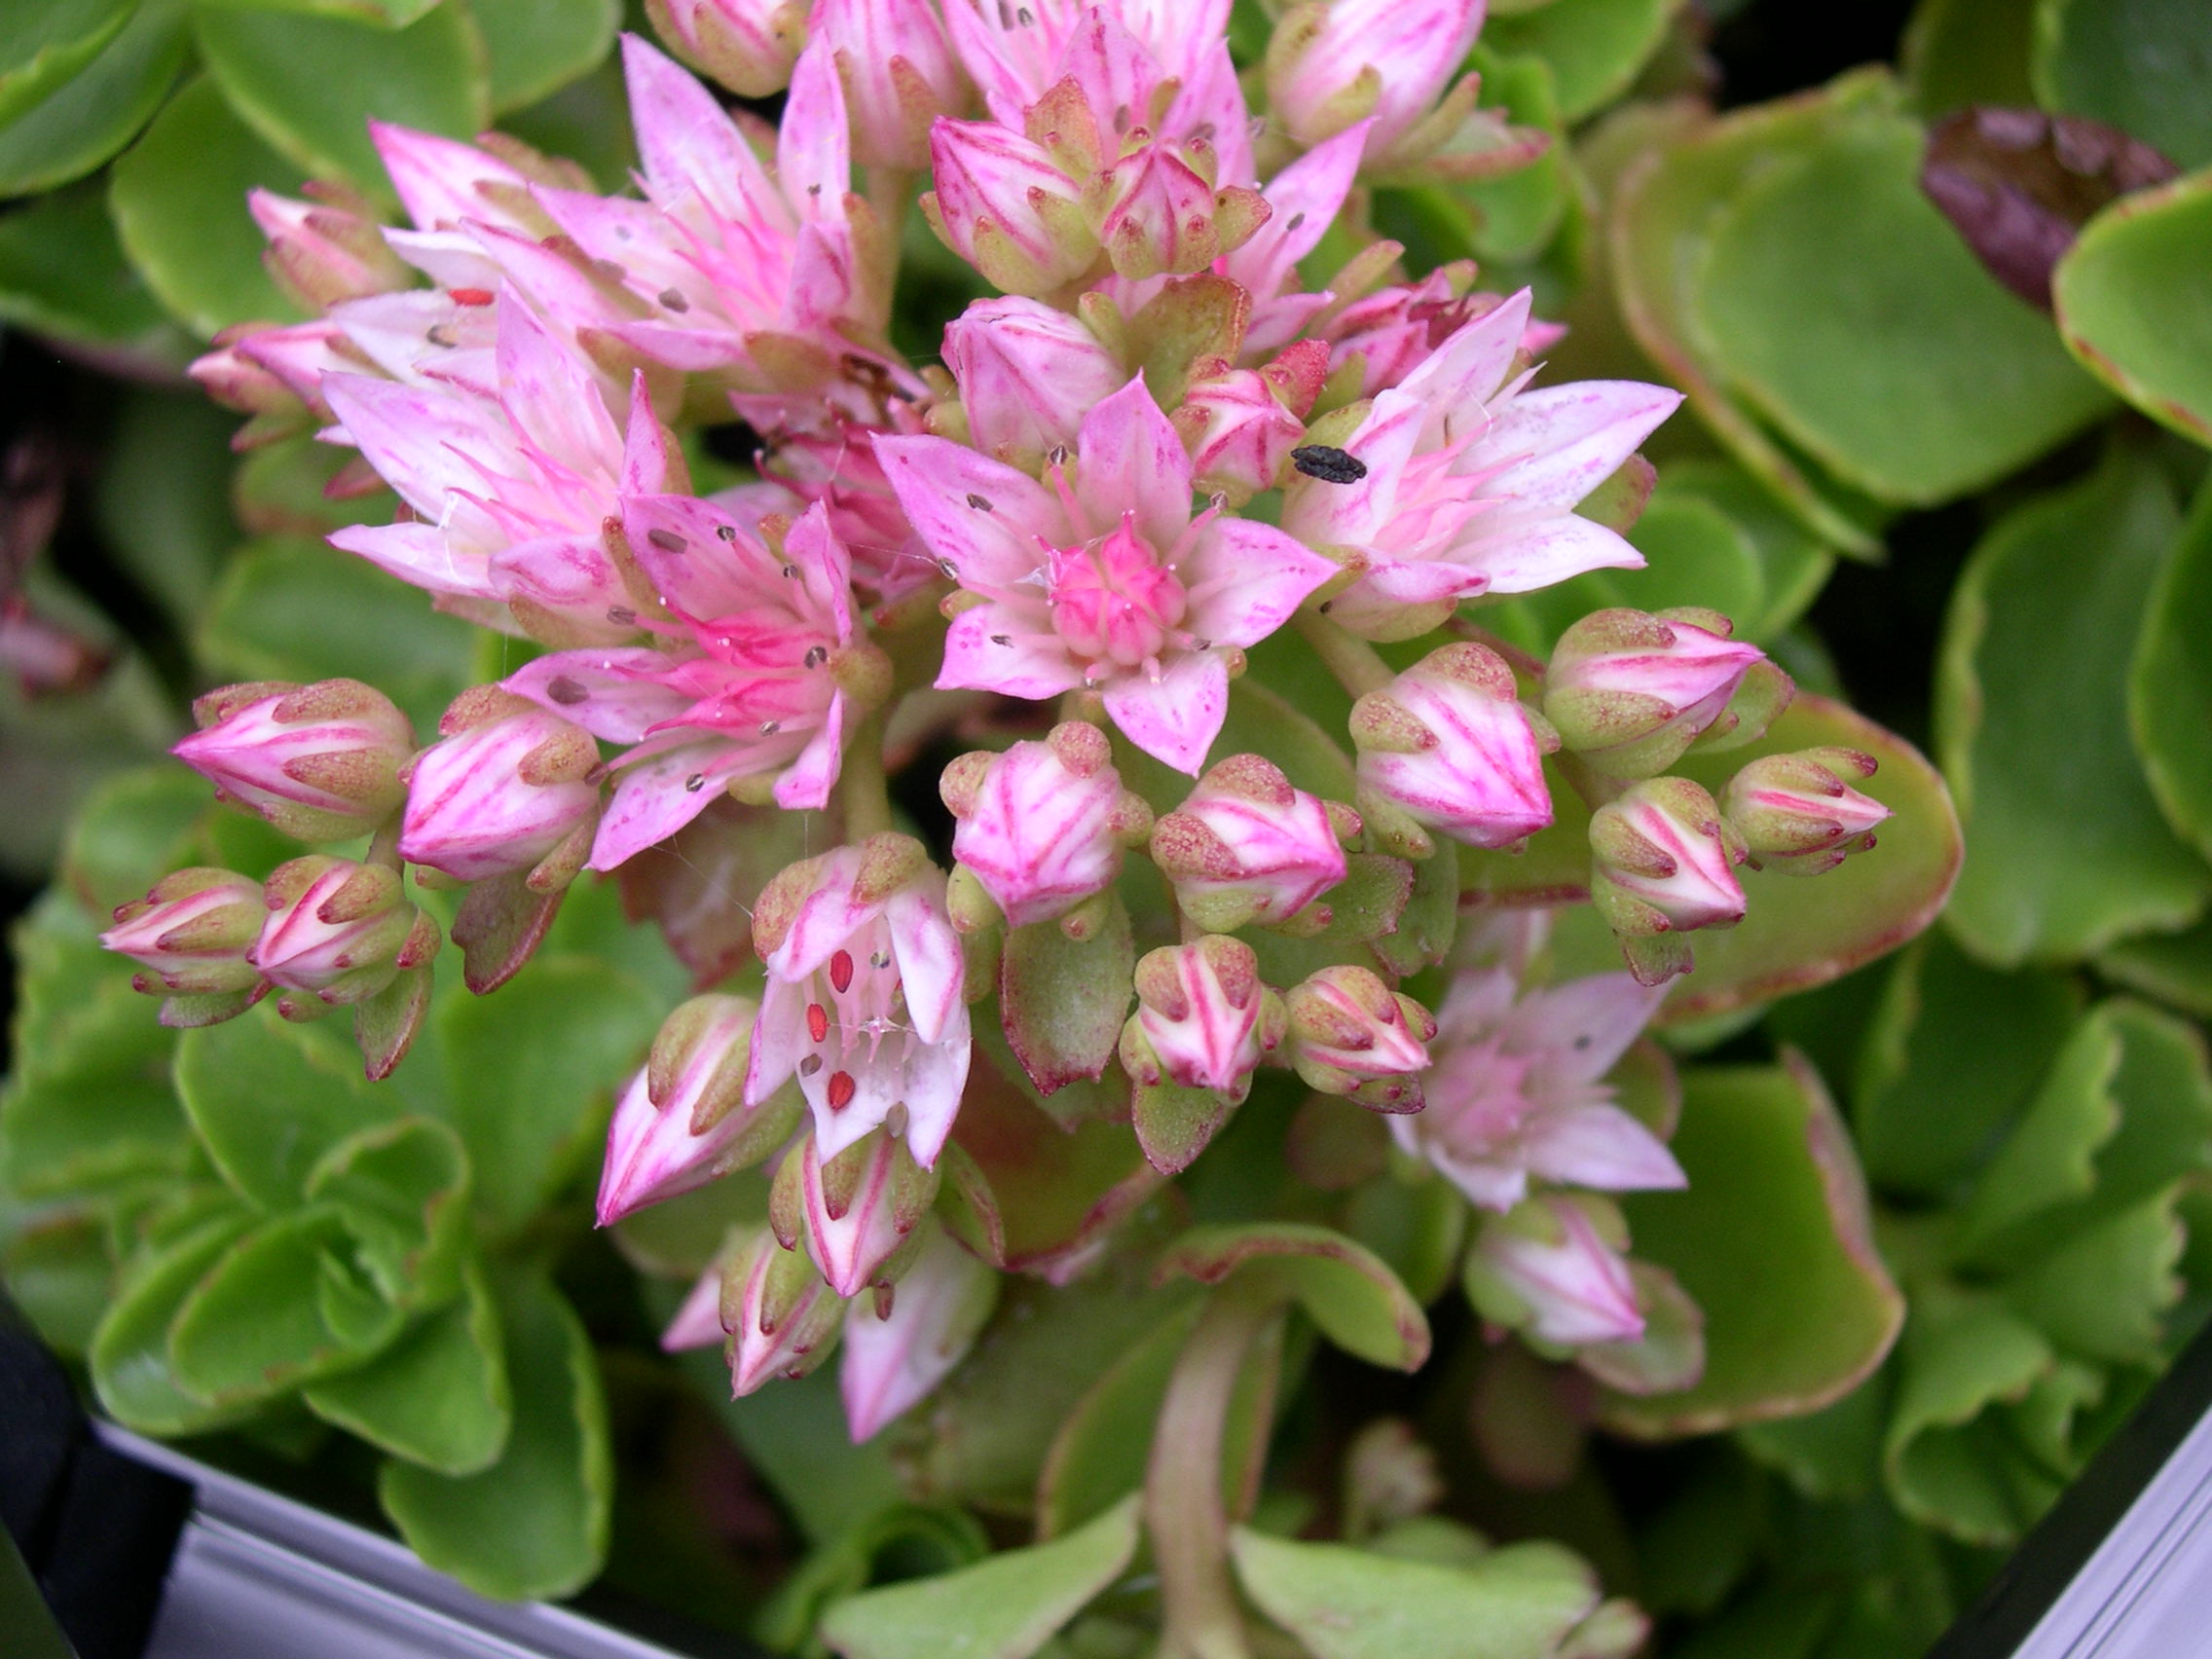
(1002, 715)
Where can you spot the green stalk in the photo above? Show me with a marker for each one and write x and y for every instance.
(1354, 662)
(862, 791)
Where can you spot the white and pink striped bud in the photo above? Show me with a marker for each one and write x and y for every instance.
(337, 933)
(1003, 206)
(1630, 692)
(1447, 745)
(1553, 1268)
(1798, 814)
(1043, 826)
(1239, 432)
(1332, 65)
(1028, 374)
(326, 251)
(506, 788)
(682, 1122)
(697, 1321)
(781, 1318)
(899, 74)
(1156, 215)
(1204, 1020)
(320, 762)
(1664, 866)
(749, 46)
(856, 1213)
(901, 1344)
(1351, 1034)
(1245, 848)
(192, 933)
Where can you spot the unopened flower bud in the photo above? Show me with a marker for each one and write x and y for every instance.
(327, 250)
(1664, 865)
(1156, 215)
(682, 1122)
(1245, 847)
(1002, 205)
(782, 1317)
(1028, 374)
(1204, 1018)
(1238, 433)
(899, 74)
(320, 761)
(1449, 743)
(1630, 692)
(857, 1212)
(1351, 1034)
(697, 1321)
(896, 1354)
(1552, 1269)
(338, 932)
(1798, 814)
(749, 46)
(1042, 827)
(1332, 65)
(506, 788)
(193, 931)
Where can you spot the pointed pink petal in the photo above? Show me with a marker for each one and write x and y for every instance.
(615, 695)
(418, 554)
(984, 652)
(553, 400)
(1175, 717)
(1572, 436)
(779, 1039)
(1583, 1026)
(1246, 578)
(703, 562)
(990, 520)
(422, 441)
(824, 567)
(1132, 461)
(684, 141)
(813, 154)
(1306, 196)
(1467, 369)
(928, 952)
(1353, 515)
(936, 1075)
(648, 453)
(806, 785)
(1600, 1147)
(1547, 551)
(654, 798)
(436, 178)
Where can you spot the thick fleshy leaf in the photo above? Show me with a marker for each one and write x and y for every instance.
(439, 1396)
(2170, 686)
(2136, 64)
(63, 274)
(80, 124)
(165, 502)
(1348, 1290)
(2129, 308)
(284, 1305)
(61, 1277)
(1958, 52)
(269, 1099)
(1954, 1051)
(537, 47)
(1417, 1230)
(2174, 967)
(1063, 1000)
(530, 1072)
(1847, 310)
(2105, 1291)
(1771, 1240)
(402, 1189)
(310, 84)
(534, 1523)
(2031, 711)
(1594, 46)
(179, 197)
(49, 42)
(1516, 1602)
(1005, 1607)
(130, 1353)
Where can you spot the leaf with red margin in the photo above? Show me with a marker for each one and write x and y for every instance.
(1350, 1292)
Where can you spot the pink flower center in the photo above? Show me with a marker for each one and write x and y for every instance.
(1113, 600)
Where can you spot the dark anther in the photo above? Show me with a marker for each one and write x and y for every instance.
(668, 541)
(566, 691)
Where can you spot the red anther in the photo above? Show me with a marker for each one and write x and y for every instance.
(841, 1090)
(469, 296)
(841, 972)
(816, 1021)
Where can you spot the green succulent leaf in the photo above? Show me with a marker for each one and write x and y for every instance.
(439, 1396)
(59, 1274)
(1958, 52)
(47, 42)
(163, 504)
(1005, 1607)
(1595, 47)
(2105, 1291)
(2070, 849)
(1518, 214)
(2170, 686)
(2174, 967)
(1063, 1000)
(401, 1188)
(179, 197)
(537, 47)
(530, 1073)
(63, 274)
(914, 1539)
(534, 1523)
(1771, 1240)
(383, 13)
(2131, 307)
(86, 120)
(2140, 64)
(129, 833)
(1348, 1290)
(310, 84)
(1517, 1603)
(130, 1355)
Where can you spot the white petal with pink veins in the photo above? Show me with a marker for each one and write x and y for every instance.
(993, 523)
(1132, 461)
(1245, 579)
(1573, 437)
(1175, 717)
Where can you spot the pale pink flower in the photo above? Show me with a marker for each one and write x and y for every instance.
(1798, 814)
(1630, 692)
(499, 793)
(1548, 1271)
(194, 931)
(863, 1001)
(1349, 1033)
(1515, 1091)
(895, 60)
(1470, 481)
(1102, 578)
(861, 1206)
(1246, 848)
(1042, 826)
(1447, 743)
(1387, 59)
(747, 682)
(1028, 374)
(896, 1357)
(1003, 204)
(1203, 1019)
(697, 1321)
(749, 46)
(1238, 431)
(681, 1121)
(320, 762)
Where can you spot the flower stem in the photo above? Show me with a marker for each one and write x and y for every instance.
(1182, 1494)
(861, 789)
(1354, 662)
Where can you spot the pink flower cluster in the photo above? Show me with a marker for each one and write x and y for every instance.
(1163, 446)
